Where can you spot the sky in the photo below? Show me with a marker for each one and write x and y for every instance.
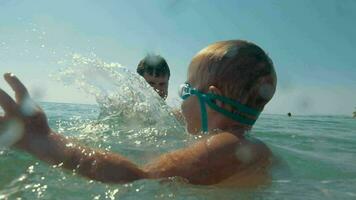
(312, 43)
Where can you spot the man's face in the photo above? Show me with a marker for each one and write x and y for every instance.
(159, 83)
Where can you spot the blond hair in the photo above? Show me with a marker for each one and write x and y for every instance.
(240, 69)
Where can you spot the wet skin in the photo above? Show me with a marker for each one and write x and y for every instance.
(218, 157)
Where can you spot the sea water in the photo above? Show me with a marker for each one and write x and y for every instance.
(314, 156)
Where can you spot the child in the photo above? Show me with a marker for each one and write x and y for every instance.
(228, 85)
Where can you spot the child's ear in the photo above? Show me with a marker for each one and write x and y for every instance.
(214, 90)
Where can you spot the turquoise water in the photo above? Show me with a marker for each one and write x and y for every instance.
(315, 158)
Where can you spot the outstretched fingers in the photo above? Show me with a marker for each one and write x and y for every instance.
(21, 92)
(7, 103)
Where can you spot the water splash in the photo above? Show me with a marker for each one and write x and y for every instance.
(131, 112)
(122, 95)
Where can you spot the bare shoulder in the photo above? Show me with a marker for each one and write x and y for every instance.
(209, 160)
(252, 151)
(239, 161)
(246, 150)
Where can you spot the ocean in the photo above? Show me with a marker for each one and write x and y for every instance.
(314, 158)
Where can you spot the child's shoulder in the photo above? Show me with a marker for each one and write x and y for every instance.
(248, 150)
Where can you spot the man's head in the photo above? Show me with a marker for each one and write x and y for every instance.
(154, 69)
(238, 70)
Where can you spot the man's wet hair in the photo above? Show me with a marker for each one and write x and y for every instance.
(241, 69)
(154, 65)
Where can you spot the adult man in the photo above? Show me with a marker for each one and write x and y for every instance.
(154, 69)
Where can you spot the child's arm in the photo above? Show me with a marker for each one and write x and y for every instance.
(92, 163)
(36, 137)
(196, 163)
(206, 162)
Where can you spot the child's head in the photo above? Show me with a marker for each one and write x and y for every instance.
(236, 69)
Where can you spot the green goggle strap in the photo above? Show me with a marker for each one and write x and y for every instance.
(204, 116)
(240, 107)
(206, 98)
(231, 115)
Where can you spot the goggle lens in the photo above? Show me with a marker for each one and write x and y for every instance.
(184, 91)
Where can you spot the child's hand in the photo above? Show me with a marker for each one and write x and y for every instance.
(23, 121)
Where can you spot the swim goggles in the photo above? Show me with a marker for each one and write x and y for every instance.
(185, 91)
